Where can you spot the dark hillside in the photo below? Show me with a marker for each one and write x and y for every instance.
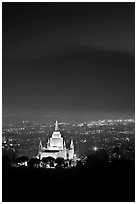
(96, 181)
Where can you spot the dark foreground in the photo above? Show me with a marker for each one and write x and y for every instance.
(96, 182)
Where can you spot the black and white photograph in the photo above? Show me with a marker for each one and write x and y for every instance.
(68, 101)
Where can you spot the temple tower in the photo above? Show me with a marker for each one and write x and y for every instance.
(71, 150)
(40, 149)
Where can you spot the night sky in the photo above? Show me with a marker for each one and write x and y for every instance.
(68, 59)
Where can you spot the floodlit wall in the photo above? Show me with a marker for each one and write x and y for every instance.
(56, 142)
(54, 154)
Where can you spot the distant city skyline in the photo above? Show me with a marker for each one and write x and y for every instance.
(76, 118)
(72, 60)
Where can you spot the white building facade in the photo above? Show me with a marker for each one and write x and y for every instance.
(56, 147)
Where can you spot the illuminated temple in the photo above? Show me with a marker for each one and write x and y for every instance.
(56, 146)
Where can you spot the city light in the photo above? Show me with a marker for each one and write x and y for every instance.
(95, 149)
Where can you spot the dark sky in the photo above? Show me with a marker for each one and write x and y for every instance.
(68, 58)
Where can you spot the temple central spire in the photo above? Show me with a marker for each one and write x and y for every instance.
(56, 126)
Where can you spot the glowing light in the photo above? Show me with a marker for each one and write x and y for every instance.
(95, 149)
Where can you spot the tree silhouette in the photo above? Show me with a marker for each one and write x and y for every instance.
(6, 162)
(48, 160)
(33, 162)
(60, 162)
(22, 159)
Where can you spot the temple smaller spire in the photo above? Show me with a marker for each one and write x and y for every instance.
(40, 145)
(48, 143)
(71, 144)
(64, 144)
(40, 149)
